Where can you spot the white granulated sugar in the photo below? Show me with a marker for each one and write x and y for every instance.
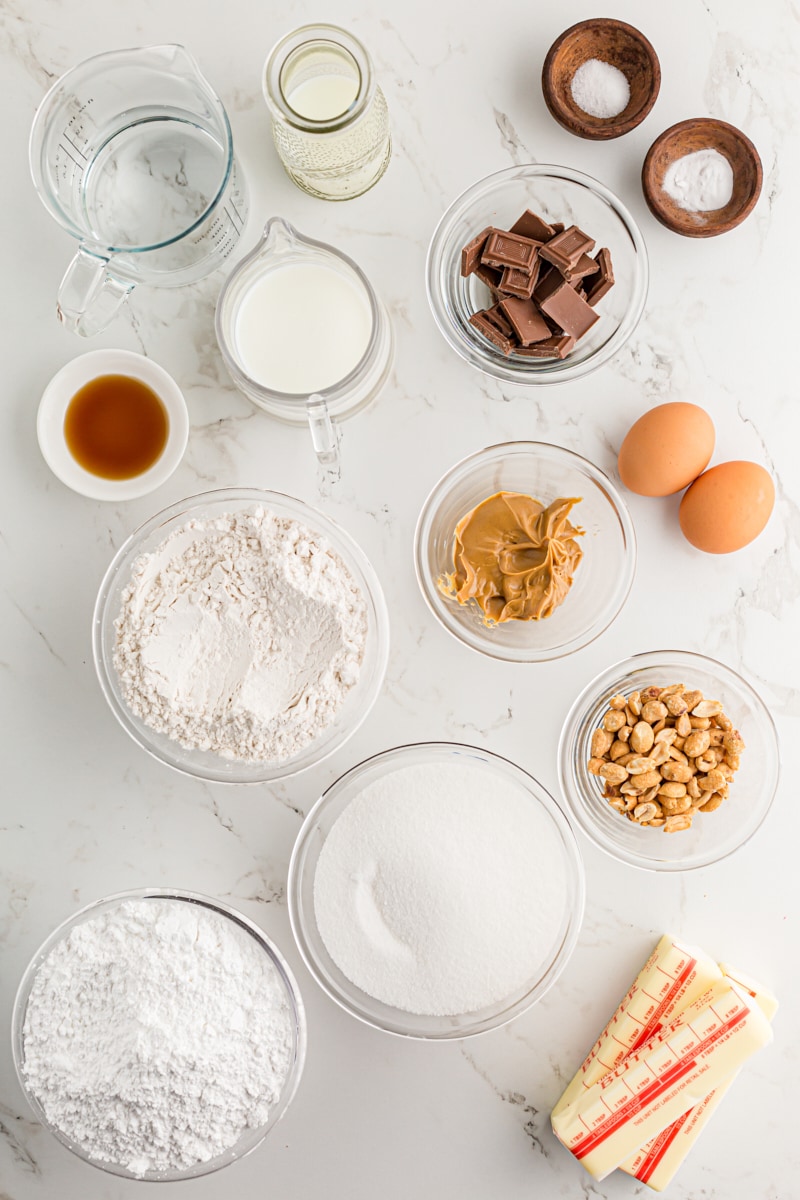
(441, 889)
(241, 634)
(600, 89)
(700, 182)
(156, 1034)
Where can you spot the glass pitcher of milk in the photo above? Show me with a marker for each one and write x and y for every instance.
(303, 333)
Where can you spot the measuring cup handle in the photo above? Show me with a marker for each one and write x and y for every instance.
(323, 433)
(89, 297)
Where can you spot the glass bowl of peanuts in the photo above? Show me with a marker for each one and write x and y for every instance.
(669, 761)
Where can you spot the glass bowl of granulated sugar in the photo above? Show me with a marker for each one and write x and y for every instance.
(159, 1035)
(436, 891)
(240, 636)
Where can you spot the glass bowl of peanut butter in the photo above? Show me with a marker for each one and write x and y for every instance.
(525, 551)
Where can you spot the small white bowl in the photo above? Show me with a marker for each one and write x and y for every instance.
(53, 407)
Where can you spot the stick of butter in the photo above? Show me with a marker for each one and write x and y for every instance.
(673, 976)
(698, 1049)
(657, 1161)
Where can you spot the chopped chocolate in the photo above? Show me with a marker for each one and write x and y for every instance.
(549, 281)
(525, 319)
(491, 276)
(491, 332)
(584, 266)
(509, 250)
(565, 249)
(543, 282)
(471, 254)
(500, 320)
(516, 282)
(604, 281)
(557, 346)
(571, 312)
(535, 227)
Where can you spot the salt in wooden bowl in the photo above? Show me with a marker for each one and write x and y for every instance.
(687, 137)
(613, 42)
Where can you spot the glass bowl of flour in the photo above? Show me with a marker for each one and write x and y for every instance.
(240, 636)
(159, 1035)
(436, 891)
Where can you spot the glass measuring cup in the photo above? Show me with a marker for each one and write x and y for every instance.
(131, 152)
(299, 361)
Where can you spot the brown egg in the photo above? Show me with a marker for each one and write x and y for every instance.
(727, 507)
(666, 449)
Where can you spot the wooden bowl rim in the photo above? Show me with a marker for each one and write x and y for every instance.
(652, 193)
(566, 117)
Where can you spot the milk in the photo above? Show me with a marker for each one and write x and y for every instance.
(323, 97)
(302, 328)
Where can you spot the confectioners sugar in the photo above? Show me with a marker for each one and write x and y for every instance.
(700, 182)
(441, 888)
(241, 634)
(155, 1034)
(600, 89)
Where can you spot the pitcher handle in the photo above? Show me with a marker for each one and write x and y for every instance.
(323, 433)
(89, 296)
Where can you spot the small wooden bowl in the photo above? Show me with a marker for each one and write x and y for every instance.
(612, 42)
(702, 133)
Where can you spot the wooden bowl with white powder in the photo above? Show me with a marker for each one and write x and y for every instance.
(702, 177)
(601, 78)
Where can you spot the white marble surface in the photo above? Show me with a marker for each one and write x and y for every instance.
(85, 813)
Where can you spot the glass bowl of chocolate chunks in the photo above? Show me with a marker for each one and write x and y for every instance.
(537, 274)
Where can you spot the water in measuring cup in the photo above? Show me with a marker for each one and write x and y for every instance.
(151, 181)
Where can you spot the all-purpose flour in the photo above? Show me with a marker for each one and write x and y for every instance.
(241, 634)
(441, 889)
(155, 1034)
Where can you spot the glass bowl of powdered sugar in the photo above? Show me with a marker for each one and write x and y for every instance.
(240, 636)
(159, 1035)
(436, 891)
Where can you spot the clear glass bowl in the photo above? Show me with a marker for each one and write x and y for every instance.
(557, 194)
(710, 838)
(302, 868)
(603, 578)
(251, 1137)
(205, 764)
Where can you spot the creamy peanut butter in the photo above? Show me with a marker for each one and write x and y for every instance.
(514, 557)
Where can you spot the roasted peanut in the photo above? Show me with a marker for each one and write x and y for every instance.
(697, 743)
(642, 737)
(663, 754)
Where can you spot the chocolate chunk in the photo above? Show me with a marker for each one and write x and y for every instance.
(549, 282)
(471, 254)
(532, 226)
(571, 312)
(491, 332)
(517, 282)
(557, 227)
(491, 276)
(584, 266)
(604, 281)
(509, 250)
(500, 320)
(525, 319)
(557, 346)
(565, 249)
